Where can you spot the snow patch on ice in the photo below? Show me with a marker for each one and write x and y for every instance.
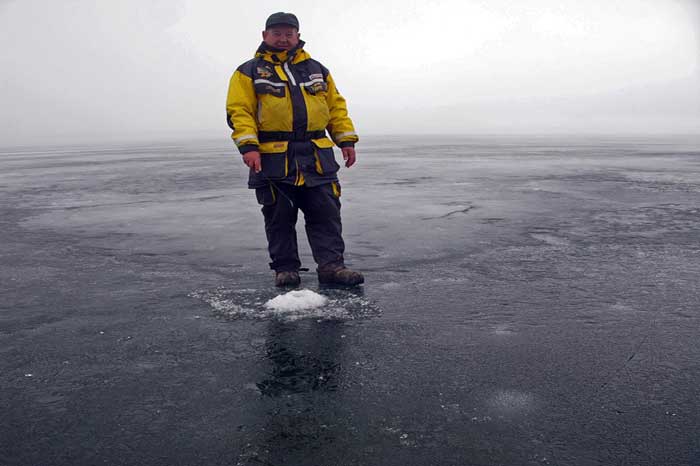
(296, 300)
(264, 304)
(511, 401)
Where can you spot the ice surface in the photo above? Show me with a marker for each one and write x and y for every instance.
(540, 296)
(296, 300)
(262, 304)
(511, 401)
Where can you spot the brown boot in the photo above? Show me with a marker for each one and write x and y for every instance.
(283, 279)
(341, 276)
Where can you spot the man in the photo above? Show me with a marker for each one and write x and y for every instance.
(279, 106)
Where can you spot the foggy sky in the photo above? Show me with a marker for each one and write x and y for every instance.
(87, 70)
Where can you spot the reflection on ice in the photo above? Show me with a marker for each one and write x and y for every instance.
(264, 304)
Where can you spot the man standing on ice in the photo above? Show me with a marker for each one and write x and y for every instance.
(279, 106)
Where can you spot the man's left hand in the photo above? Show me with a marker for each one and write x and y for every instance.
(348, 156)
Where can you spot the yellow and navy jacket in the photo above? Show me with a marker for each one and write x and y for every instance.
(281, 103)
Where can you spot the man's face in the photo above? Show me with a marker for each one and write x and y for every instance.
(281, 37)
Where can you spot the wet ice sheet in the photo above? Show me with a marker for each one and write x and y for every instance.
(265, 304)
(538, 301)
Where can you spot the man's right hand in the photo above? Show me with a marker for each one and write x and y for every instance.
(252, 159)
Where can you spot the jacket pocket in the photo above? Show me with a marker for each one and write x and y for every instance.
(316, 108)
(266, 195)
(268, 87)
(325, 158)
(274, 112)
(273, 158)
(335, 187)
(316, 87)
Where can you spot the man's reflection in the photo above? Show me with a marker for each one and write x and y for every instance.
(303, 401)
(304, 357)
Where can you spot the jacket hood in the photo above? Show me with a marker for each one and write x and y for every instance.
(274, 55)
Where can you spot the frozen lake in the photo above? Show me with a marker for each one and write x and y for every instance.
(528, 301)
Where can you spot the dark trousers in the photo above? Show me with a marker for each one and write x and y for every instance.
(321, 208)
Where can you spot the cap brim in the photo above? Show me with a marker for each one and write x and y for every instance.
(281, 24)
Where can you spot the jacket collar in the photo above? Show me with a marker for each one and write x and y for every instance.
(274, 55)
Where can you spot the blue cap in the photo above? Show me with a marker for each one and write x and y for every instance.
(281, 18)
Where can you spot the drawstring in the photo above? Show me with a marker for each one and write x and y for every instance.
(278, 189)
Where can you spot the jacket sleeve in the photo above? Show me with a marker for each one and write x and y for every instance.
(241, 109)
(340, 126)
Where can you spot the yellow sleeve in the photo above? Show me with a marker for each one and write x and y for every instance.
(340, 125)
(241, 110)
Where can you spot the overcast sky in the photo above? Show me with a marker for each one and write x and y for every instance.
(92, 70)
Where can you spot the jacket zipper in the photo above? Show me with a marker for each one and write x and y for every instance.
(289, 73)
